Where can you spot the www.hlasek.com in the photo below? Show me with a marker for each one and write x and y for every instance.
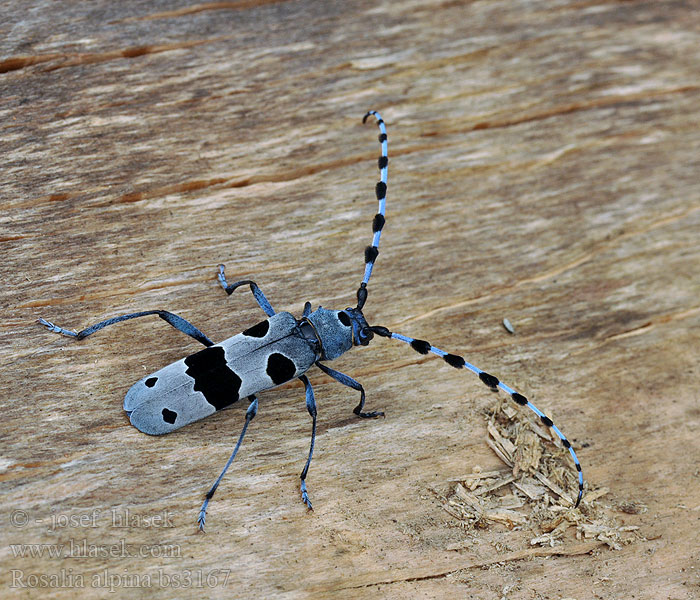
(84, 549)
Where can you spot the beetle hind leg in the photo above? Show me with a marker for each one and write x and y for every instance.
(171, 318)
(249, 415)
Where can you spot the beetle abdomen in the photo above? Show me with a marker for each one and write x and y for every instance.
(262, 357)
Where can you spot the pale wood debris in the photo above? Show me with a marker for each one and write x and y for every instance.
(533, 490)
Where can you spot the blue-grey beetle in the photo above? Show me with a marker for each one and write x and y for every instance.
(271, 353)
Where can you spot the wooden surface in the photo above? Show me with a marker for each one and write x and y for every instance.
(543, 167)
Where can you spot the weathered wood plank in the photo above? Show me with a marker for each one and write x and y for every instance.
(543, 168)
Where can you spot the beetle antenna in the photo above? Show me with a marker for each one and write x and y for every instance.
(372, 251)
(423, 347)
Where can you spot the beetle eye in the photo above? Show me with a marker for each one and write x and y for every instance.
(365, 336)
(344, 319)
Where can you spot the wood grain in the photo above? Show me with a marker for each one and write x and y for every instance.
(543, 168)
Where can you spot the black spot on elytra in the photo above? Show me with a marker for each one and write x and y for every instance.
(280, 368)
(344, 319)
(213, 377)
(169, 416)
(151, 381)
(260, 330)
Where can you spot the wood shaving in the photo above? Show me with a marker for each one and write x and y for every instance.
(533, 489)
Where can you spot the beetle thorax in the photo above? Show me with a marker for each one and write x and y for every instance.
(338, 330)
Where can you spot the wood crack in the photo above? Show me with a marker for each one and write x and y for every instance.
(579, 549)
(660, 320)
(198, 8)
(564, 109)
(88, 58)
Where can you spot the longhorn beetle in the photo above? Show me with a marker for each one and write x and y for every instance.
(273, 352)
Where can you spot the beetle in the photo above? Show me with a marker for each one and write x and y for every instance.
(273, 352)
